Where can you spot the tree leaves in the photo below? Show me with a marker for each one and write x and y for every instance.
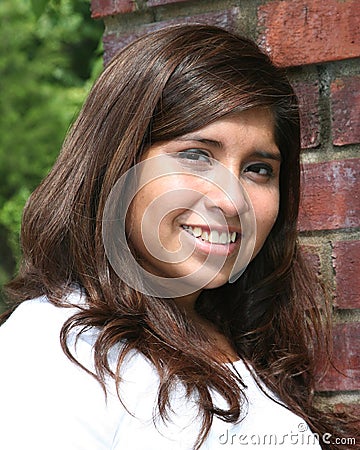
(42, 89)
(39, 6)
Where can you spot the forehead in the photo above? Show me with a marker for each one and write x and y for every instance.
(253, 124)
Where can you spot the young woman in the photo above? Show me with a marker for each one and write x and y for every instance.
(167, 305)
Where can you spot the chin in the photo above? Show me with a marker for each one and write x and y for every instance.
(217, 282)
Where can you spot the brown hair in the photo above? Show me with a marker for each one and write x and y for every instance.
(166, 84)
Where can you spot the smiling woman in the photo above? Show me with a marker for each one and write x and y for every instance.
(217, 160)
(161, 278)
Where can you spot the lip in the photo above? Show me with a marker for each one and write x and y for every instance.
(211, 248)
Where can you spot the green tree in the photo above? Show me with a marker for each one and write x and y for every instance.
(49, 56)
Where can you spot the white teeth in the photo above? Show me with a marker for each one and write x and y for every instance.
(223, 239)
(214, 237)
(205, 236)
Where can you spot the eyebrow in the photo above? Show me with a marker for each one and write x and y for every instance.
(210, 142)
(268, 155)
(276, 156)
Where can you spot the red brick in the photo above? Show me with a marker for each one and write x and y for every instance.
(298, 32)
(308, 95)
(345, 107)
(102, 8)
(163, 2)
(352, 409)
(114, 42)
(345, 375)
(346, 256)
(330, 195)
(311, 256)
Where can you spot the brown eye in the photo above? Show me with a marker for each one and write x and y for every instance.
(261, 169)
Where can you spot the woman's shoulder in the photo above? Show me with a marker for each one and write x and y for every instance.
(35, 327)
(40, 385)
(30, 342)
(32, 336)
(32, 321)
(40, 308)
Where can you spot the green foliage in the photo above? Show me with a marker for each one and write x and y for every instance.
(10, 218)
(49, 50)
(38, 7)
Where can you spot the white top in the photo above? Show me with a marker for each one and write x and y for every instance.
(49, 403)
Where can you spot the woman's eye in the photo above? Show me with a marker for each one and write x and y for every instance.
(194, 155)
(260, 169)
(193, 160)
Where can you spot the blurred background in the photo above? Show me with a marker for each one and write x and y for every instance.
(50, 54)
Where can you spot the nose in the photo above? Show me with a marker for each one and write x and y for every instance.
(226, 193)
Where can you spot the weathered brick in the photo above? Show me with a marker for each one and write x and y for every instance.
(345, 375)
(330, 195)
(163, 2)
(352, 409)
(346, 256)
(345, 107)
(103, 8)
(298, 32)
(308, 96)
(114, 42)
(311, 256)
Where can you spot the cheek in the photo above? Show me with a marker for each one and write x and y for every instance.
(134, 219)
(153, 212)
(266, 212)
(141, 203)
(134, 213)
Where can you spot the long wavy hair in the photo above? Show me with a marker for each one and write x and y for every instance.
(162, 86)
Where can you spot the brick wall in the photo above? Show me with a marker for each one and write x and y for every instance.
(319, 41)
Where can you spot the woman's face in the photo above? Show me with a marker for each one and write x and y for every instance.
(191, 211)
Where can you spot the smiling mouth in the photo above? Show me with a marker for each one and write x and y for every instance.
(213, 236)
